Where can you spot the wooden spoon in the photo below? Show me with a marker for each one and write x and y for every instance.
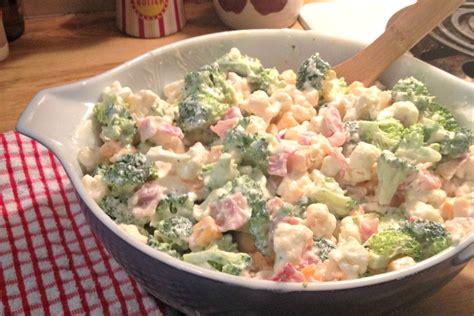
(405, 31)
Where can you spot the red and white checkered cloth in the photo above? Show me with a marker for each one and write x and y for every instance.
(51, 263)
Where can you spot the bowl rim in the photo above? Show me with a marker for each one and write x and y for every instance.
(244, 282)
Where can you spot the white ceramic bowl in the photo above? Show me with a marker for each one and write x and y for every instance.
(54, 116)
(258, 14)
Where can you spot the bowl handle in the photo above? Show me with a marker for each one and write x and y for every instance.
(465, 255)
(51, 117)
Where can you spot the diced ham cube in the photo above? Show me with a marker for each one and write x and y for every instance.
(144, 202)
(222, 126)
(171, 130)
(277, 164)
(233, 112)
(367, 227)
(146, 128)
(231, 212)
(332, 126)
(150, 126)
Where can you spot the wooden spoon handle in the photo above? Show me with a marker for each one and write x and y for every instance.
(411, 26)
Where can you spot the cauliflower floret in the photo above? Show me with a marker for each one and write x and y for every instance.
(191, 169)
(348, 229)
(434, 197)
(95, 186)
(291, 190)
(302, 113)
(404, 111)
(312, 96)
(115, 92)
(289, 76)
(89, 158)
(187, 165)
(320, 220)
(348, 261)
(466, 169)
(294, 133)
(330, 166)
(422, 210)
(133, 232)
(258, 103)
(174, 90)
(298, 96)
(283, 99)
(401, 263)
(370, 101)
(255, 125)
(361, 161)
(241, 86)
(289, 243)
(146, 102)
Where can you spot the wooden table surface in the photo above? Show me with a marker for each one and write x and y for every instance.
(58, 50)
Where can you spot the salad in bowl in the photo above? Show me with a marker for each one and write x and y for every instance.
(292, 176)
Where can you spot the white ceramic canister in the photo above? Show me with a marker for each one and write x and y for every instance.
(150, 18)
(249, 14)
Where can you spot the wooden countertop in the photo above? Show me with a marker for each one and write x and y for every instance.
(54, 51)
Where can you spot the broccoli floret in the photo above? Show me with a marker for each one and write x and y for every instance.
(251, 149)
(391, 171)
(260, 219)
(312, 72)
(207, 95)
(440, 125)
(456, 144)
(442, 116)
(162, 246)
(216, 175)
(174, 205)
(258, 77)
(175, 231)
(392, 220)
(219, 260)
(411, 89)
(451, 144)
(339, 204)
(164, 109)
(384, 134)
(265, 80)
(389, 245)
(225, 243)
(117, 210)
(330, 193)
(242, 65)
(128, 173)
(260, 226)
(99, 171)
(248, 187)
(412, 148)
(116, 121)
(322, 247)
(432, 236)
